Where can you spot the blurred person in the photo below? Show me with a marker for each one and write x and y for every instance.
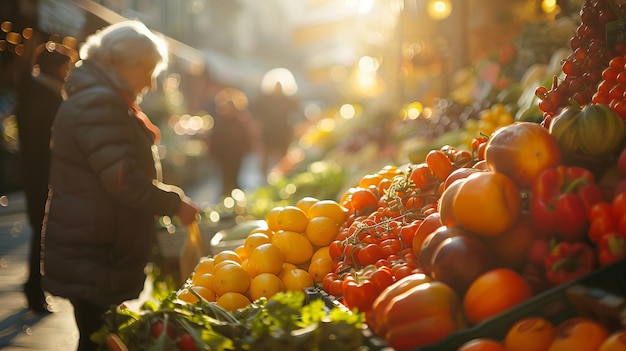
(105, 189)
(38, 95)
(276, 114)
(232, 136)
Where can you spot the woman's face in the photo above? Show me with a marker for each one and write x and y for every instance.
(139, 75)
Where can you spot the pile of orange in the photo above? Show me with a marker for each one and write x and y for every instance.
(290, 254)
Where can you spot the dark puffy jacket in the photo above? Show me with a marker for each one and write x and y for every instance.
(100, 222)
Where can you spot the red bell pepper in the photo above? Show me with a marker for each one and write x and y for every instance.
(561, 197)
(569, 260)
(612, 247)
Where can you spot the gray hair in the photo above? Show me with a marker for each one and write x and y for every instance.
(126, 42)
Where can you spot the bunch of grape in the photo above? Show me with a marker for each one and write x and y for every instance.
(584, 66)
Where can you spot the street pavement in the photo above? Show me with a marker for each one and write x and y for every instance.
(20, 329)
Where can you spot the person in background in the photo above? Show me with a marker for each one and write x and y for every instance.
(232, 137)
(105, 179)
(275, 113)
(39, 94)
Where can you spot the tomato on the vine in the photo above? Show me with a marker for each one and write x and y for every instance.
(369, 254)
(332, 284)
(186, 343)
(407, 232)
(359, 294)
(390, 247)
(382, 278)
(159, 328)
(422, 177)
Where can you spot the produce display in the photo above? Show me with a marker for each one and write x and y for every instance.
(505, 230)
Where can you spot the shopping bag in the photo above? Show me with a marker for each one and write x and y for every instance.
(192, 251)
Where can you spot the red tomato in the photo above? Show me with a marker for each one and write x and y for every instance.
(363, 200)
(407, 232)
(158, 327)
(332, 284)
(369, 254)
(440, 164)
(382, 278)
(186, 343)
(359, 295)
(422, 177)
(390, 247)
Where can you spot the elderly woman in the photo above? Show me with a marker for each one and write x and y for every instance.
(105, 188)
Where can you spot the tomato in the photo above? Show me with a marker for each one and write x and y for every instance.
(332, 284)
(335, 249)
(401, 270)
(369, 254)
(158, 327)
(186, 343)
(407, 233)
(440, 164)
(363, 200)
(390, 247)
(382, 278)
(422, 176)
(359, 294)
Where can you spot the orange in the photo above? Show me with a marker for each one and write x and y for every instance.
(321, 231)
(272, 218)
(245, 264)
(230, 278)
(579, 333)
(306, 202)
(232, 301)
(206, 293)
(266, 231)
(204, 280)
(297, 279)
(319, 268)
(206, 265)
(266, 258)
(322, 252)
(286, 268)
(531, 333)
(226, 255)
(292, 218)
(265, 285)
(187, 296)
(296, 248)
(329, 208)
(226, 263)
(241, 252)
(615, 342)
(253, 240)
(481, 344)
(494, 292)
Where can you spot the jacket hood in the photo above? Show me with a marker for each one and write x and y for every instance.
(89, 73)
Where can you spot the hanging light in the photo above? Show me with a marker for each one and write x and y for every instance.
(439, 9)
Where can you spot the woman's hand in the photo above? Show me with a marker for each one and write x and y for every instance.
(188, 212)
